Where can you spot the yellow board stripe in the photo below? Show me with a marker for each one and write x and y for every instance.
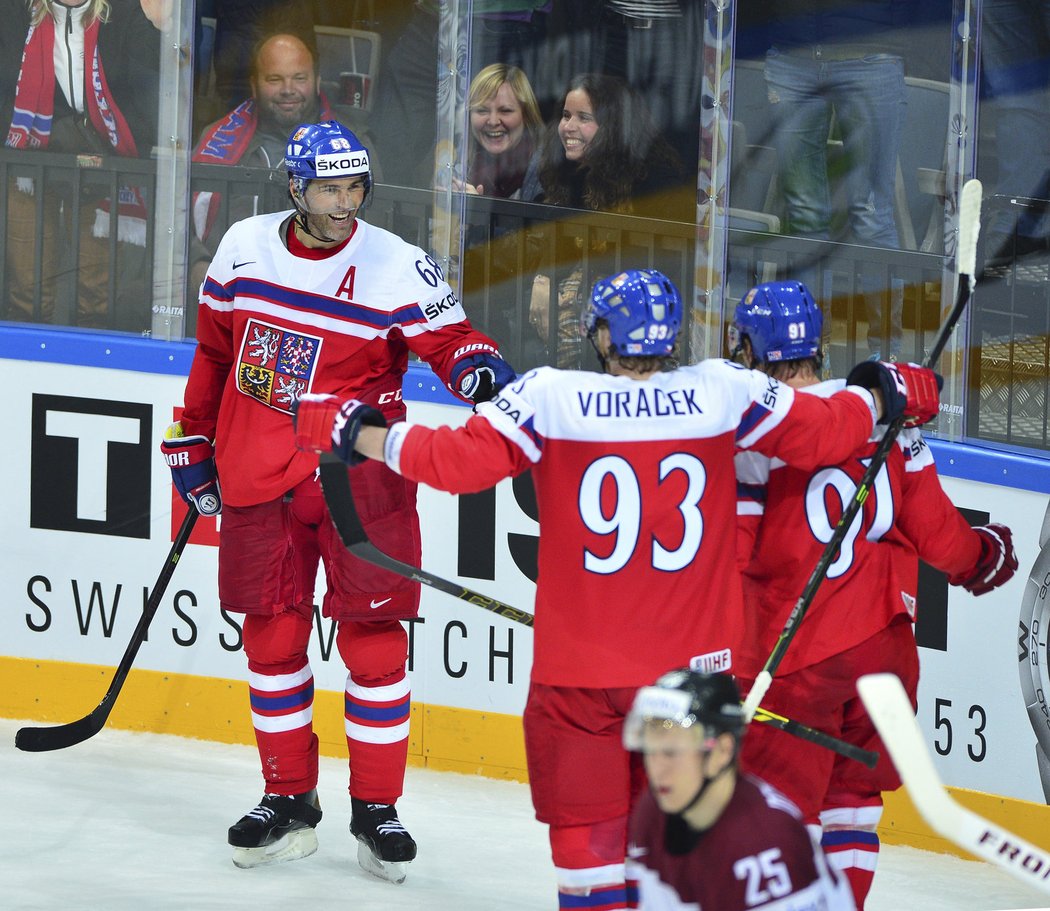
(442, 738)
(212, 708)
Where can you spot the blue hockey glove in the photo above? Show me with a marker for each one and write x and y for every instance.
(327, 423)
(480, 376)
(192, 464)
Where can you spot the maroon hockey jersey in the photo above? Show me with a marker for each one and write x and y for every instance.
(758, 856)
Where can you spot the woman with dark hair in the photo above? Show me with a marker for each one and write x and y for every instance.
(602, 154)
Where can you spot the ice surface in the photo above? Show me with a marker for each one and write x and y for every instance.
(135, 822)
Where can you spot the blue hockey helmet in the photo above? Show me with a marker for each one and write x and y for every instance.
(643, 310)
(782, 321)
(325, 149)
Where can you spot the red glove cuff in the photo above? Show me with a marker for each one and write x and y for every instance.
(184, 452)
(923, 394)
(314, 420)
(996, 564)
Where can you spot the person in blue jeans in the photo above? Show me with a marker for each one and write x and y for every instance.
(1015, 69)
(841, 61)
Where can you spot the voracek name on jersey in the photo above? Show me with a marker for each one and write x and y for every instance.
(636, 403)
(95, 610)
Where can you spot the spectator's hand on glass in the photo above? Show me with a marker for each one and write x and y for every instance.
(539, 305)
(158, 12)
(461, 186)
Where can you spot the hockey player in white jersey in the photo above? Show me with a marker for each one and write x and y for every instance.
(317, 298)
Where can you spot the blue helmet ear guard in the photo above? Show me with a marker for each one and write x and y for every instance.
(782, 321)
(643, 310)
(326, 149)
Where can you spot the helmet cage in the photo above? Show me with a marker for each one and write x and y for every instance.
(642, 309)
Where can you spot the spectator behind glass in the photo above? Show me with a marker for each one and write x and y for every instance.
(411, 81)
(841, 61)
(50, 102)
(644, 42)
(239, 25)
(505, 126)
(1015, 68)
(602, 154)
(285, 91)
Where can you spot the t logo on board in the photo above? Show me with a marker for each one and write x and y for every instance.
(91, 463)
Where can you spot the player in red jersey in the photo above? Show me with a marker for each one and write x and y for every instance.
(703, 835)
(861, 618)
(633, 470)
(296, 301)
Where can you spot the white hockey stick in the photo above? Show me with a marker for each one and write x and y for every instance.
(966, 262)
(887, 703)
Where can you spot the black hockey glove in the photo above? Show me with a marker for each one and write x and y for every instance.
(908, 390)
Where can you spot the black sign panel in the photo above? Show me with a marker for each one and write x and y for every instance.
(931, 623)
(91, 462)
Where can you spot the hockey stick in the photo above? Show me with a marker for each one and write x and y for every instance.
(849, 750)
(888, 704)
(966, 258)
(42, 740)
(340, 499)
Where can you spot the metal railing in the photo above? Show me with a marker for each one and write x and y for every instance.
(1008, 396)
(65, 261)
(505, 245)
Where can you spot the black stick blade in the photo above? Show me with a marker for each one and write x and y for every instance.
(43, 740)
(340, 499)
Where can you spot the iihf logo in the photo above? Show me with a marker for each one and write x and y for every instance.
(91, 466)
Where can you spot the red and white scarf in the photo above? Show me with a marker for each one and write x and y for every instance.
(34, 113)
(225, 143)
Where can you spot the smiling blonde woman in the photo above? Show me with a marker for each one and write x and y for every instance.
(505, 125)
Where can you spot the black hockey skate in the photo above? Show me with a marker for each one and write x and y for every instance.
(279, 829)
(384, 846)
